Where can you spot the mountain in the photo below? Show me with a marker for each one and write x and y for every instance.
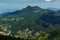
(25, 11)
(35, 12)
(32, 19)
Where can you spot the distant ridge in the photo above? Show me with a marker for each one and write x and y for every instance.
(53, 8)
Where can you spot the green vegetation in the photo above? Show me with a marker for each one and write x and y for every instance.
(31, 23)
(52, 35)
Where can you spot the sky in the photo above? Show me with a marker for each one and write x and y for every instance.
(12, 5)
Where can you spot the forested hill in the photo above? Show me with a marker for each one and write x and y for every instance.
(31, 19)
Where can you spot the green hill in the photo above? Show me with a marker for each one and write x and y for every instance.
(31, 19)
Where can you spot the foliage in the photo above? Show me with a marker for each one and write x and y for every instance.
(30, 22)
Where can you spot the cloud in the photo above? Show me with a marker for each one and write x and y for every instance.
(2, 4)
(48, 0)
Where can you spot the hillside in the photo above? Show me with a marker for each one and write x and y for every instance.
(29, 20)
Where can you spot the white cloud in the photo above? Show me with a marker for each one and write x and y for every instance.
(48, 0)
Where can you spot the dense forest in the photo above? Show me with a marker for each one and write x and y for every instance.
(30, 23)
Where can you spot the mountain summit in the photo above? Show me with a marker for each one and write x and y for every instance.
(24, 11)
(32, 8)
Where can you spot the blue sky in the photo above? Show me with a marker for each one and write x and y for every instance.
(12, 5)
